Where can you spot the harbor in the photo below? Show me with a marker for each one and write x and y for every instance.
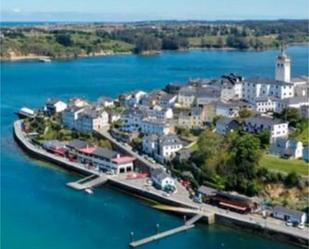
(275, 228)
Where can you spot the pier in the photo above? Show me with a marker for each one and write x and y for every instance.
(88, 182)
(188, 225)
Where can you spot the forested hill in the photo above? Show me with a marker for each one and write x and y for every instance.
(73, 40)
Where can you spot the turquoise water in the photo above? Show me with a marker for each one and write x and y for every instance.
(39, 211)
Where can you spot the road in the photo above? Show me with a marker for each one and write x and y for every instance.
(151, 165)
(181, 196)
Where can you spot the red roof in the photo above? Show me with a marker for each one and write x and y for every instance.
(233, 206)
(123, 159)
(88, 150)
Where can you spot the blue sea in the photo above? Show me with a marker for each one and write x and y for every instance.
(38, 210)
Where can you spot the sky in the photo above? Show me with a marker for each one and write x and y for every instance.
(136, 10)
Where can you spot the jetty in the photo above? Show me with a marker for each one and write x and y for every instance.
(188, 225)
(88, 182)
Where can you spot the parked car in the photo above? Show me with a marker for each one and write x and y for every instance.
(301, 226)
(289, 223)
(197, 199)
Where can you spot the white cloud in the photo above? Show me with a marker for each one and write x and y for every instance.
(16, 10)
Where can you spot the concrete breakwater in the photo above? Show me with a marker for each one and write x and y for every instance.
(215, 215)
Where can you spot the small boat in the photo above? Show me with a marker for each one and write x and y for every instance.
(25, 112)
(44, 60)
(89, 191)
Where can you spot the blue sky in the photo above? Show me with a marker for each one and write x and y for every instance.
(132, 10)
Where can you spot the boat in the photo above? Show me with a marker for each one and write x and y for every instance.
(44, 60)
(89, 191)
(25, 112)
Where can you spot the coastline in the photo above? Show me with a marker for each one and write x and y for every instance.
(131, 189)
(30, 57)
(33, 57)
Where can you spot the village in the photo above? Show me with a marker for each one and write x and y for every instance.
(160, 127)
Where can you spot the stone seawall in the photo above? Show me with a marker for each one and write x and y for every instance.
(261, 231)
(142, 194)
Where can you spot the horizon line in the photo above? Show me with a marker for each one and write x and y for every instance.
(160, 20)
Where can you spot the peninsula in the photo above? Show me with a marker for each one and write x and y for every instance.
(206, 146)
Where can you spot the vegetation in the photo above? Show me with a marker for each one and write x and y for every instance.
(237, 161)
(300, 126)
(72, 40)
(49, 129)
(284, 165)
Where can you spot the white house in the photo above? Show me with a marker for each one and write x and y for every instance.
(55, 106)
(186, 96)
(155, 126)
(84, 119)
(256, 87)
(158, 112)
(162, 148)
(231, 108)
(114, 116)
(276, 127)
(90, 120)
(70, 115)
(291, 215)
(134, 99)
(168, 100)
(287, 148)
(230, 86)
(162, 180)
(131, 120)
(265, 104)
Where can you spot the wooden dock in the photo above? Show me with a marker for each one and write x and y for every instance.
(188, 225)
(88, 182)
(160, 235)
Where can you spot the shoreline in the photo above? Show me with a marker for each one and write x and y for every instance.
(33, 57)
(133, 190)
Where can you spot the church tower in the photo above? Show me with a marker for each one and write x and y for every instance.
(283, 67)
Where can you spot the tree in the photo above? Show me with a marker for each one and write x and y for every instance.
(209, 144)
(264, 137)
(245, 156)
(291, 115)
(64, 40)
(147, 43)
(292, 179)
(174, 43)
(244, 113)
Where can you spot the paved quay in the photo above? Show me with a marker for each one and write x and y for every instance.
(181, 197)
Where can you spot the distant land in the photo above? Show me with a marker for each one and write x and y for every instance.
(55, 40)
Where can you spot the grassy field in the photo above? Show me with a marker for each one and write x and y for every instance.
(285, 165)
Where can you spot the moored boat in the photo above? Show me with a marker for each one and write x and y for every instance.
(89, 191)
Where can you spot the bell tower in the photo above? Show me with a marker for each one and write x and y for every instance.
(283, 67)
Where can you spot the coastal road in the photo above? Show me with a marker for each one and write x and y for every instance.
(128, 150)
(181, 197)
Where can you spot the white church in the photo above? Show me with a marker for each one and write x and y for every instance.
(273, 95)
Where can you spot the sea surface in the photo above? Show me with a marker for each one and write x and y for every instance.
(38, 211)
